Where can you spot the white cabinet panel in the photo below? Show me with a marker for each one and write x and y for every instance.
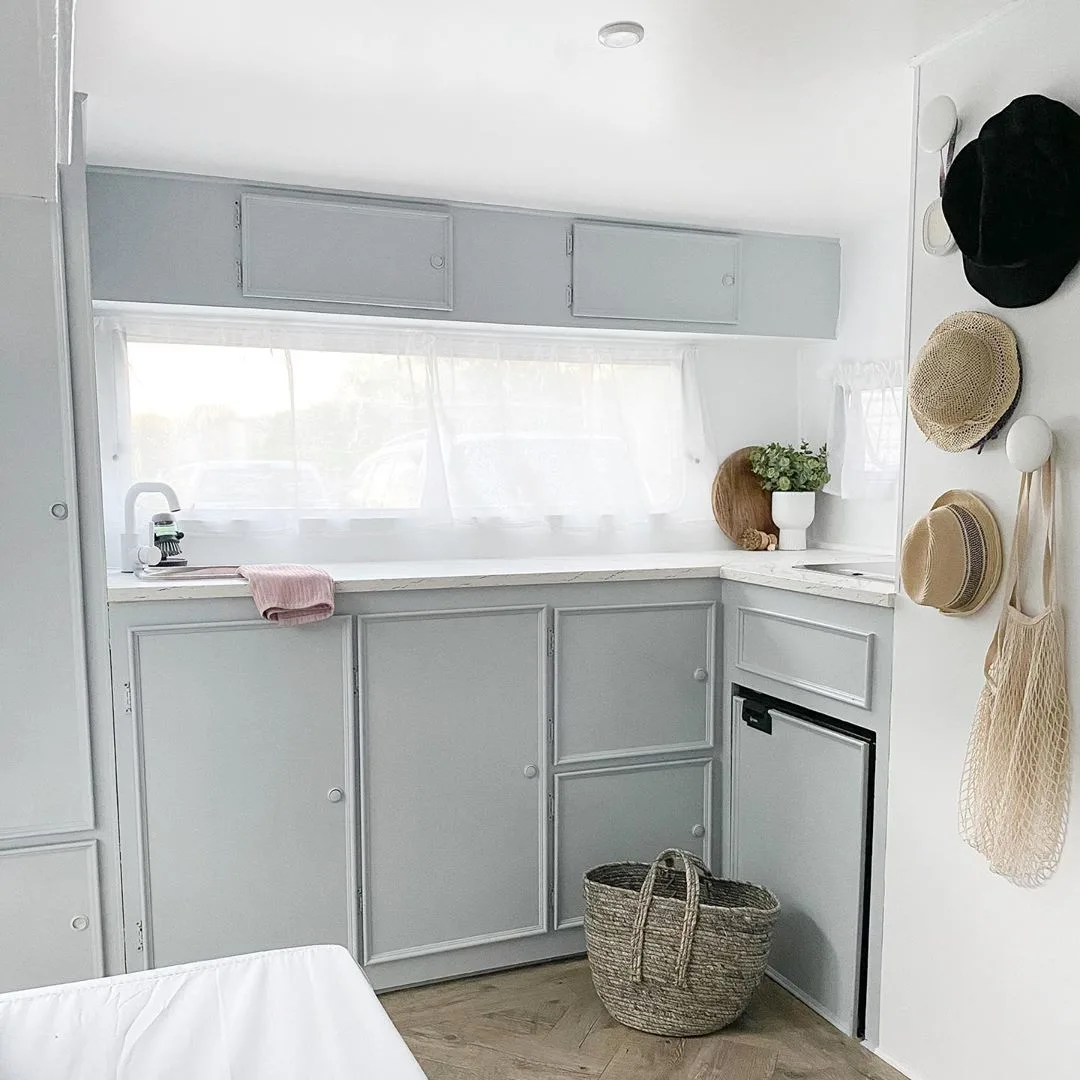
(44, 734)
(453, 779)
(50, 926)
(345, 251)
(800, 811)
(633, 679)
(628, 813)
(655, 273)
(246, 734)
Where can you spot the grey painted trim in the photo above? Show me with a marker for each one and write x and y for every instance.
(597, 756)
(144, 885)
(248, 197)
(707, 812)
(93, 888)
(862, 701)
(542, 926)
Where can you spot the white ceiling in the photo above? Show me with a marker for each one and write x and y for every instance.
(775, 114)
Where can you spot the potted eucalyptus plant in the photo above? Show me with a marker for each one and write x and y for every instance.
(794, 475)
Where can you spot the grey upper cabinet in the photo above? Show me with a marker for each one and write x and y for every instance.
(243, 743)
(655, 273)
(626, 813)
(633, 680)
(345, 252)
(50, 928)
(454, 779)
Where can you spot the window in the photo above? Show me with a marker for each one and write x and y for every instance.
(298, 427)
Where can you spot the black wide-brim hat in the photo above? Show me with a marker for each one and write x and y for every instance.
(1012, 201)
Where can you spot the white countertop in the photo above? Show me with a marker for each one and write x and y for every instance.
(777, 569)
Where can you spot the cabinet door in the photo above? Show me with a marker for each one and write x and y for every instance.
(631, 680)
(345, 251)
(50, 928)
(655, 273)
(800, 810)
(626, 814)
(452, 708)
(44, 733)
(245, 732)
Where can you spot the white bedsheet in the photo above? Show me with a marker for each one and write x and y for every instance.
(307, 1013)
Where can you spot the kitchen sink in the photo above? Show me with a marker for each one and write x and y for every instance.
(885, 570)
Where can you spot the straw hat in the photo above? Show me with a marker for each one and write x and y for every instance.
(951, 559)
(965, 382)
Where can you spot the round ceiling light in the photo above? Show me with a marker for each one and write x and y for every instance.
(621, 35)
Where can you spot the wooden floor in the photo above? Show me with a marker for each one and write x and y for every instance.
(546, 1023)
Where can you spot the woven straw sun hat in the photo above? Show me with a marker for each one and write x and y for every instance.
(951, 558)
(965, 381)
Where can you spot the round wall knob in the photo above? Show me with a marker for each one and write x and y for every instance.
(531, 771)
(698, 831)
(80, 922)
(59, 510)
(335, 794)
(700, 674)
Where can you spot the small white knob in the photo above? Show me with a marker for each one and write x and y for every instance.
(698, 831)
(335, 794)
(59, 510)
(80, 922)
(437, 262)
(531, 771)
(700, 674)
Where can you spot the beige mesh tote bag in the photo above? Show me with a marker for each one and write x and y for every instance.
(1014, 795)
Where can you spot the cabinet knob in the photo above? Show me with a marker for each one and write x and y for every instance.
(80, 922)
(700, 674)
(531, 772)
(59, 510)
(698, 831)
(335, 794)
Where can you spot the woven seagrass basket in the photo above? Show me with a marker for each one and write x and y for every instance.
(675, 952)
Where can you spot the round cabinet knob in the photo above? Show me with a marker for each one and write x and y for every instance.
(700, 674)
(531, 772)
(728, 281)
(80, 922)
(698, 831)
(59, 510)
(437, 262)
(335, 794)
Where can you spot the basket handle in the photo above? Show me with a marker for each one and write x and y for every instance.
(694, 868)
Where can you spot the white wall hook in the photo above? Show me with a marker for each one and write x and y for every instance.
(1029, 443)
(938, 124)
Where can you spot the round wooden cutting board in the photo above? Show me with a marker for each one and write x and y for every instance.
(737, 499)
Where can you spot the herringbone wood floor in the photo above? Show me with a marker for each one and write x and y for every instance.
(546, 1023)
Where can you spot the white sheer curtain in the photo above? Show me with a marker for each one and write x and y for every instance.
(276, 425)
(865, 429)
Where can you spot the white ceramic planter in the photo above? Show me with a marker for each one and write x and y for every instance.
(793, 511)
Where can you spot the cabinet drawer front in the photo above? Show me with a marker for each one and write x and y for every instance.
(627, 813)
(632, 680)
(454, 796)
(345, 252)
(653, 273)
(50, 926)
(833, 661)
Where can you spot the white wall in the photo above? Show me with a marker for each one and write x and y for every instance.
(873, 314)
(981, 979)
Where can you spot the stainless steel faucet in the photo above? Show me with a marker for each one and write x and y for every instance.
(132, 553)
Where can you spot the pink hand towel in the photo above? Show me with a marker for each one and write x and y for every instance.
(290, 594)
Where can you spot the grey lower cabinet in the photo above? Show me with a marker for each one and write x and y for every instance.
(626, 813)
(454, 780)
(241, 736)
(50, 926)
